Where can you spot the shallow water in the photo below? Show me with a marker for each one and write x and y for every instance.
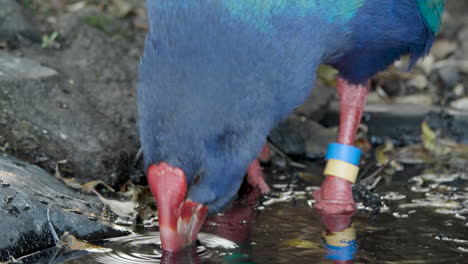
(420, 222)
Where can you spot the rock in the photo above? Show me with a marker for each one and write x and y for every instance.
(450, 25)
(419, 82)
(417, 99)
(300, 136)
(463, 38)
(86, 114)
(121, 8)
(53, 255)
(459, 90)
(47, 116)
(442, 48)
(26, 194)
(463, 66)
(317, 102)
(426, 64)
(449, 75)
(463, 35)
(402, 122)
(12, 67)
(13, 22)
(460, 104)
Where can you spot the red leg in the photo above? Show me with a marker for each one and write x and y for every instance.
(264, 154)
(335, 195)
(255, 175)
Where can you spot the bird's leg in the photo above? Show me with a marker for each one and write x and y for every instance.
(264, 154)
(255, 175)
(335, 195)
(339, 237)
(353, 99)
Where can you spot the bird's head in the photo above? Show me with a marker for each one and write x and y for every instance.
(187, 186)
(200, 105)
(180, 218)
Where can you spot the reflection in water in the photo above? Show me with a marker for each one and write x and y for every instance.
(288, 230)
(237, 222)
(218, 246)
(147, 249)
(339, 237)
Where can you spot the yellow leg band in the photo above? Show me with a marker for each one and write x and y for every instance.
(340, 239)
(341, 169)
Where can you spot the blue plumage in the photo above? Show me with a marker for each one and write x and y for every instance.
(382, 32)
(217, 76)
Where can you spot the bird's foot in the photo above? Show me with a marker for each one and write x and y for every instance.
(336, 222)
(334, 197)
(256, 177)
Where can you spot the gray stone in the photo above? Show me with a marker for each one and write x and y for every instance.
(402, 122)
(302, 137)
(42, 116)
(13, 22)
(416, 99)
(449, 75)
(12, 67)
(85, 114)
(26, 194)
(317, 102)
(418, 81)
(442, 48)
(460, 104)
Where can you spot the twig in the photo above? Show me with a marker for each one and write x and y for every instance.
(379, 170)
(52, 230)
(288, 159)
(137, 156)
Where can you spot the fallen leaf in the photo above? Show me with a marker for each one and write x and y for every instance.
(414, 154)
(327, 74)
(384, 154)
(89, 186)
(73, 183)
(74, 243)
(301, 243)
(121, 208)
(437, 146)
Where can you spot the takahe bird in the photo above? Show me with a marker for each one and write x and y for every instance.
(217, 75)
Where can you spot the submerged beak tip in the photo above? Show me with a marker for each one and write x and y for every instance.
(180, 220)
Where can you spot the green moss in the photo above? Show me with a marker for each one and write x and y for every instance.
(106, 24)
(26, 3)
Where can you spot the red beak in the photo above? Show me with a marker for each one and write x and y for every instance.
(180, 220)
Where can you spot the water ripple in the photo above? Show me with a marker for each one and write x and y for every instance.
(140, 249)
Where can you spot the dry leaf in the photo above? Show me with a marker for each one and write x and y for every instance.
(432, 143)
(73, 183)
(89, 186)
(384, 155)
(74, 243)
(301, 243)
(121, 208)
(327, 74)
(414, 154)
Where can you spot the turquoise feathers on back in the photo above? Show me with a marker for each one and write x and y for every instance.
(259, 12)
(432, 11)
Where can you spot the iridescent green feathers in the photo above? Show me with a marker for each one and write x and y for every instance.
(260, 13)
(432, 11)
